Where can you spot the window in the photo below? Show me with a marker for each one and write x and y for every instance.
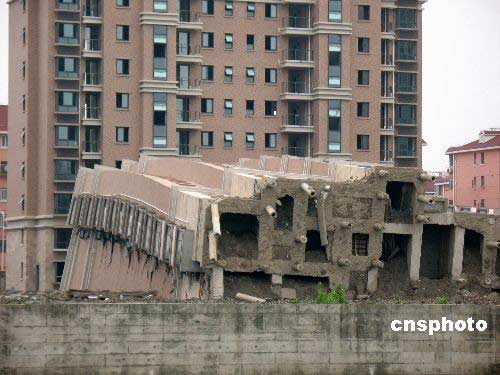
(334, 60)
(250, 77)
(62, 201)
(118, 164)
(250, 107)
(207, 139)
(67, 67)
(250, 42)
(406, 50)
(228, 8)
(207, 7)
(207, 106)
(406, 18)
(62, 236)
(67, 101)
(23, 36)
(363, 77)
(228, 139)
(482, 203)
(4, 140)
(207, 40)
(228, 74)
(23, 102)
(67, 33)
(363, 142)
(66, 136)
(59, 269)
(335, 10)
(228, 107)
(406, 114)
(122, 33)
(482, 182)
(160, 52)
(23, 169)
(228, 41)
(250, 9)
(65, 170)
(334, 125)
(159, 120)
(21, 203)
(122, 66)
(121, 134)
(122, 100)
(406, 146)
(160, 6)
(364, 45)
(474, 182)
(270, 140)
(475, 158)
(360, 244)
(271, 75)
(3, 195)
(271, 10)
(271, 43)
(482, 157)
(363, 109)
(363, 12)
(271, 108)
(207, 72)
(406, 82)
(250, 140)
(122, 3)
(3, 168)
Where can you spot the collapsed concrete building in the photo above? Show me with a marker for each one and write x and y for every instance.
(179, 226)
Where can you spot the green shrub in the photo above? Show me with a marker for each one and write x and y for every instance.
(334, 296)
(442, 300)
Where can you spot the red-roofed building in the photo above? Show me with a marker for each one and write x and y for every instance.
(475, 172)
(4, 141)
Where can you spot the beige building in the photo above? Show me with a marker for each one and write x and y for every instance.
(99, 81)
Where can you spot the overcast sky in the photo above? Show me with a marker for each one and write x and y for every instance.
(461, 72)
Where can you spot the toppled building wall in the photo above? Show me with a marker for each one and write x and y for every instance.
(177, 225)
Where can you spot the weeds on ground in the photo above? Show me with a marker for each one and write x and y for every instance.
(442, 300)
(334, 296)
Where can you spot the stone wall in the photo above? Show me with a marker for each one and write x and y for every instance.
(241, 339)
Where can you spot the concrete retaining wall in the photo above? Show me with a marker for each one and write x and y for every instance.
(241, 339)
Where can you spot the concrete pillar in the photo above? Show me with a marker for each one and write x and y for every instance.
(371, 283)
(217, 283)
(414, 251)
(456, 252)
(276, 279)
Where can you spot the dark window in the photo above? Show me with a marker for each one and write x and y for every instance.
(160, 6)
(334, 125)
(363, 142)
(228, 107)
(363, 77)
(334, 60)
(271, 108)
(250, 140)
(118, 164)
(271, 75)
(482, 157)
(250, 107)
(271, 10)
(364, 45)
(363, 109)
(406, 50)
(335, 10)
(62, 202)
(207, 139)
(228, 139)
(406, 114)
(228, 41)
(207, 72)
(406, 82)
(228, 8)
(360, 244)
(207, 6)
(271, 43)
(482, 182)
(66, 136)
(250, 76)
(122, 3)
(122, 66)
(228, 74)
(270, 140)
(250, 9)
(363, 12)
(475, 158)
(122, 33)
(207, 40)
(59, 268)
(62, 236)
(250, 42)
(207, 105)
(406, 18)
(406, 146)
(122, 134)
(122, 100)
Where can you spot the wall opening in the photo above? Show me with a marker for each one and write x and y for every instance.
(360, 244)
(399, 208)
(284, 221)
(394, 275)
(472, 263)
(239, 235)
(305, 286)
(434, 257)
(312, 209)
(256, 284)
(314, 251)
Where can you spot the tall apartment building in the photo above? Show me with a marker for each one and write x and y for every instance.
(4, 144)
(475, 173)
(93, 82)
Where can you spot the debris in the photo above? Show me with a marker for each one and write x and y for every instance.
(247, 298)
(288, 293)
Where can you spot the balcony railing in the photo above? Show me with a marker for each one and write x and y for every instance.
(387, 59)
(387, 27)
(386, 123)
(90, 146)
(66, 108)
(67, 6)
(295, 151)
(188, 83)
(188, 116)
(187, 50)
(403, 152)
(297, 120)
(64, 176)
(297, 54)
(92, 45)
(387, 92)
(91, 113)
(298, 22)
(296, 88)
(91, 79)
(66, 143)
(187, 149)
(67, 40)
(188, 16)
(63, 74)
(386, 155)
(92, 10)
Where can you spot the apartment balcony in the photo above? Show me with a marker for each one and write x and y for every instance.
(297, 26)
(386, 156)
(188, 150)
(91, 82)
(189, 20)
(66, 109)
(62, 75)
(189, 54)
(92, 14)
(406, 90)
(297, 123)
(188, 120)
(92, 48)
(67, 6)
(387, 94)
(91, 116)
(296, 91)
(387, 62)
(91, 150)
(189, 87)
(296, 151)
(64, 176)
(67, 41)
(387, 124)
(297, 58)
